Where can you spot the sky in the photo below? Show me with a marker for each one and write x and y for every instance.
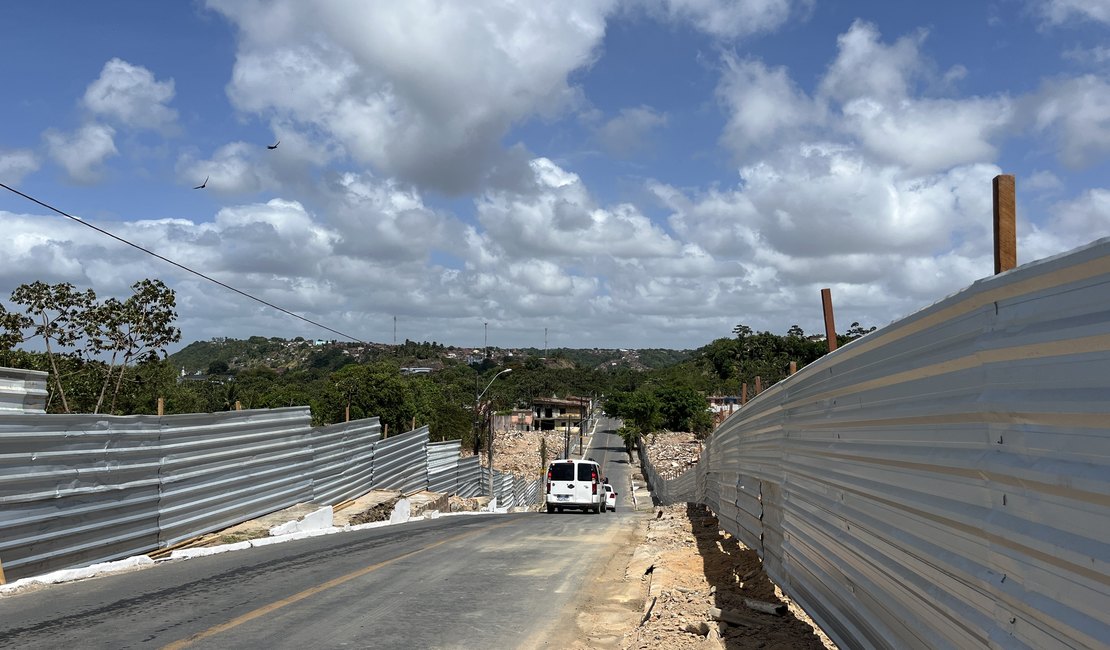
(614, 173)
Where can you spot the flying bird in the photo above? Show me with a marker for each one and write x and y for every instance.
(273, 146)
(201, 186)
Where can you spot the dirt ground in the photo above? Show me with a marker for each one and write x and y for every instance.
(687, 566)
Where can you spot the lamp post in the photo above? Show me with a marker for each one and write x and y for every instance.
(489, 439)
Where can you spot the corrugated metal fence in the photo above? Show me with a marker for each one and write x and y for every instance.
(78, 489)
(443, 464)
(944, 481)
(22, 391)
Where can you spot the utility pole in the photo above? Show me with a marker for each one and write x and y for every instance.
(394, 330)
(485, 329)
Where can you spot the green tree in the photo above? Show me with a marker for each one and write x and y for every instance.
(54, 312)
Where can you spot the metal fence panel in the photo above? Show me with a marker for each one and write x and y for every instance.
(343, 460)
(443, 466)
(75, 490)
(470, 474)
(503, 484)
(401, 462)
(943, 481)
(223, 468)
(22, 391)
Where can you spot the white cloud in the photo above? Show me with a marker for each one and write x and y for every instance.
(763, 104)
(1077, 112)
(15, 164)
(559, 219)
(234, 168)
(421, 90)
(82, 152)
(131, 95)
(729, 19)
(384, 220)
(1061, 11)
(627, 134)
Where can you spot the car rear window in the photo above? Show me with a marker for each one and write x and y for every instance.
(562, 471)
(586, 471)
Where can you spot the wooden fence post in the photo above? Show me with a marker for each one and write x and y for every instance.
(238, 406)
(758, 385)
(385, 430)
(830, 326)
(347, 414)
(743, 393)
(793, 367)
(161, 406)
(1005, 228)
(3, 580)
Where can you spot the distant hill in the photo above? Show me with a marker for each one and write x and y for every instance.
(299, 354)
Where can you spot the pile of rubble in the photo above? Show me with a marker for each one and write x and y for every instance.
(704, 589)
(518, 452)
(672, 452)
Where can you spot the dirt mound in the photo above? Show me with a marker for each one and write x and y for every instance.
(379, 512)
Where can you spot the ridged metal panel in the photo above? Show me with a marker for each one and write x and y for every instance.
(343, 460)
(401, 462)
(520, 491)
(535, 494)
(223, 468)
(75, 490)
(443, 466)
(945, 481)
(503, 484)
(22, 391)
(470, 477)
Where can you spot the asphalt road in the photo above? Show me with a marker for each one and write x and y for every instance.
(453, 582)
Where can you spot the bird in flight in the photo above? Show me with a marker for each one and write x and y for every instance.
(273, 146)
(201, 186)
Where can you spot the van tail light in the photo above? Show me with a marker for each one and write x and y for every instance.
(548, 475)
(593, 475)
(549, 487)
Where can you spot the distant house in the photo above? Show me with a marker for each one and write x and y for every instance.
(549, 413)
(415, 371)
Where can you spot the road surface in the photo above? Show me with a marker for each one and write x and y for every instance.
(518, 580)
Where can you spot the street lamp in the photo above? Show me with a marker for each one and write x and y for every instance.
(489, 439)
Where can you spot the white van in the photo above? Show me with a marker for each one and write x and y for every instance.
(575, 484)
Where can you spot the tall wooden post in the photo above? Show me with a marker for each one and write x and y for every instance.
(1005, 228)
(347, 413)
(3, 580)
(161, 406)
(238, 406)
(830, 326)
(743, 393)
(758, 385)
(793, 367)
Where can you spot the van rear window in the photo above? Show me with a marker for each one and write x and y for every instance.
(562, 471)
(585, 472)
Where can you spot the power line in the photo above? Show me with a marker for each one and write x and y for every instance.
(181, 266)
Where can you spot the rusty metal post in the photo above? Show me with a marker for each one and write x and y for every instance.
(830, 326)
(793, 367)
(1005, 218)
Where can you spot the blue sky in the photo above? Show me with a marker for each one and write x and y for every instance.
(624, 174)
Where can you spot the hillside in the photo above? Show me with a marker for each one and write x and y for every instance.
(300, 354)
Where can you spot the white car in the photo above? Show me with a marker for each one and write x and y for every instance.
(610, 497)
(575, 484)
